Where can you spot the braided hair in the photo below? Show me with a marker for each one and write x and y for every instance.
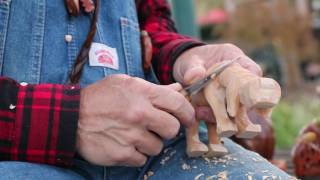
(82, 57)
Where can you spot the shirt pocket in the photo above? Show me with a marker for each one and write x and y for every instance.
(4, 20)
(130, 36)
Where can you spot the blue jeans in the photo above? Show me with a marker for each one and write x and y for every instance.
(172, 163)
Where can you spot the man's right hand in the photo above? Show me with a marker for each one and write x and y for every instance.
(124, 119)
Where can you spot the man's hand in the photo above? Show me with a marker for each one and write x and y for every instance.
(193, 64)
(124, 119)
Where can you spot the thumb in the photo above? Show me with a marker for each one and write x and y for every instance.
(189, 70)
(174, 86)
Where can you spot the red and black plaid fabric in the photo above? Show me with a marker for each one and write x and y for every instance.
(38, 123)
(155, 18)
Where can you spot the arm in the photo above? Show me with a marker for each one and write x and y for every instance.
(38, 123)
(167, 44)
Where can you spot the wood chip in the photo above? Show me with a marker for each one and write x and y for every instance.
(210, 177)
(185, 166)
(164, 160)
(265, 177)
(166, 150)
(198, 176)
(145, 177)
(223, 175)
(150, 173)
(206, 159)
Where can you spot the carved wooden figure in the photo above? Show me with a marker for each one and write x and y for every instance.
(230, 95)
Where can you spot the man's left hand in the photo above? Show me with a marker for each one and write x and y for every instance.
(193, 63)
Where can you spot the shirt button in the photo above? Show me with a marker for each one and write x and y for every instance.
(68, 38)
(23, 83)
(12, 106)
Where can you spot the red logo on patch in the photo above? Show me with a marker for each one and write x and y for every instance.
(104, 57)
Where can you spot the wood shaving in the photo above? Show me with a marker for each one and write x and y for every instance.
(265, 177)
(163, 161)
(223, 175)
(173, 153)
(206, 159)
(198, 176)
(210, 177)
(166, 150)
(186, 166)
(150, 173)
(145, 177)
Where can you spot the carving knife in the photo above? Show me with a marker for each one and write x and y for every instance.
(195, 87)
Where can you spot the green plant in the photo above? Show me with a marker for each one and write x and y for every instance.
(290, 116)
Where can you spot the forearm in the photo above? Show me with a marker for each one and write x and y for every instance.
(38, 122)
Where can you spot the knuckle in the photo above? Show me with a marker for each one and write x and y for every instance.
(179, 101)
(134, 139)
(124, 156)
(230, 46)
(137, 115)
(158, 149)
(141, 162)
(118, 158)
(173, 130)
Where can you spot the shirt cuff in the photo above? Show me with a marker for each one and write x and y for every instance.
(46, 123)
(169, 55)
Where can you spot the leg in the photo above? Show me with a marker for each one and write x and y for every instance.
(195, 147)
(246, 128)
(28, 171)
(216, 149)
(215, 96)
(240, 164)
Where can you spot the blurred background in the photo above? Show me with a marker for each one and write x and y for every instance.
(283, 36)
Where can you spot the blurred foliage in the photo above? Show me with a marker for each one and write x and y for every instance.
(290, 116)
(203, 6)
(257, 23)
